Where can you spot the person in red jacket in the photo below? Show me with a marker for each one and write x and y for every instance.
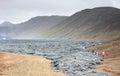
(106, 53)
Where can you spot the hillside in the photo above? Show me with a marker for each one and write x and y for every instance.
(96, 23)
(31, 28)
(37, 25)
(100, 23)
(111, 63)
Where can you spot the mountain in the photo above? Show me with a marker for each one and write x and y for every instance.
(6, 28)
(101, 22)
(37, 25)
(96, 23)
(6, 23)
(31, 28)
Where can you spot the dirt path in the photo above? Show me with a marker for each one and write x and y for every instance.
(25, 65)
(111, 64)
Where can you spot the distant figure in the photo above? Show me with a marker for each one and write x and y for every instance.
(97, 53)
(103, 54)
(106, 53)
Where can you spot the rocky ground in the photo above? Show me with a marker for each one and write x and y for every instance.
(70, 57)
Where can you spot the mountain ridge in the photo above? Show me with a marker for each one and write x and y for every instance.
(96, 23)
(33, 26)
(89, 23)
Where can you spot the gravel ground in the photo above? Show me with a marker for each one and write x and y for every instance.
(71, 57)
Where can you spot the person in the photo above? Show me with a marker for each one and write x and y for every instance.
(106, 53)
(103, 54)
(97, 53)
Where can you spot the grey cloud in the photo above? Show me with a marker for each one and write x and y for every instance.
(21, 10)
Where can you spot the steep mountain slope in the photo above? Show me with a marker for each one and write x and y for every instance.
(37, 25)
(102, 22)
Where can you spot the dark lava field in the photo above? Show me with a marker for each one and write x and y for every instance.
(70, 57)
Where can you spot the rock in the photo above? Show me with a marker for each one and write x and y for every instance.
(71, 57)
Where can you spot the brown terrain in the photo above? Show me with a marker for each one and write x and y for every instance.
(25, 65)
(111, 63)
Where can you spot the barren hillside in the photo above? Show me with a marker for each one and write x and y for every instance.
(111, 63)
(96, 23)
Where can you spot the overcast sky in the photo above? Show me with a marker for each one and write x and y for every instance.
(17, 11)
